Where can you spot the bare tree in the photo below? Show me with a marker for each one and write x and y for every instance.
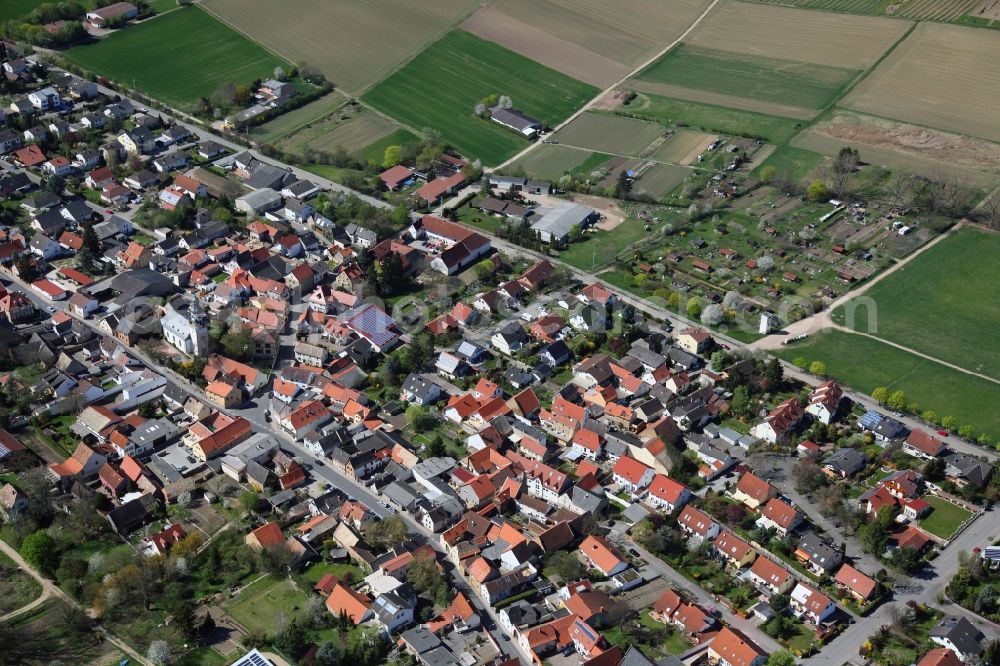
(901, 188)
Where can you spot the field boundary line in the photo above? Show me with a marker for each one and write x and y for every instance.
(614, 85)
(928, 357)
(420, 49)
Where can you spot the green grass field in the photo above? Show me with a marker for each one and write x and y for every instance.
(267, 603)
(792, 162)
(711, 118)
(12, 9)
(610, 134)
(945, 518)
(202, 53)
(440, 87)
(778, 81)
(942, 303)
(661, 179)
(865, 364)
(375, 151)
(599, 249)
(551, 162)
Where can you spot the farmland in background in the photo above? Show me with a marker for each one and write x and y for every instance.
(177, 57)
(769, 59)
(353, 43)
(683, 147)
(941, 76)
(550, 162)
(12, 9)
(606, 133)
(938, 10)
(591, 40)
(938, 305)
(661, 179)
(441, 86)
(791, 88)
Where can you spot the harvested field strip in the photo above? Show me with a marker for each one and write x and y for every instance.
(530, 41)
(785, 33)
(721, 99)
(441, 86)
(204, 53)
(683, 147)
(353, 43)
(784, 82)
(940, 76)
(613, 134)
(625, 31)
(354, 135)
(660, 180)
(938, 10)
(289, 122)
(712, 118)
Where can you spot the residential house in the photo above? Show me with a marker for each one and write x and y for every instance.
(811, 605)
(960, 636)
(921, 444)
(824, 402)
(753, 491)
(817, 554)
(778, 426)
(695, 340)
(731, 648)
(780, 516)
(666, 494)
(844, 463)
(697, 524)
(732, 550)
(600, 556)
(861, 587)
(770, 577)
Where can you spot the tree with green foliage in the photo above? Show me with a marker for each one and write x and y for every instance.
(694, 308)
(249, 501)
(967, 431)
(781, 658)
(818, 368)
(238, 343)
(949, 422)
(817, 191)
(897, 400)
(39, 550)
(740, 403)
(419, 418)
(880, 394)
(392, 156)
(565, 565)
(767, 174)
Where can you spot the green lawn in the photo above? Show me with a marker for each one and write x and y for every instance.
(600, 248)
(178, 57)
(375, 151)
(11, 9)
(267, 603)
(945, 518)
(203, 656)
(441, 86)
(943, 303)
(711, 118)
(792, 162)
(287, 123)
(865, 364)
(342, 571)
(17, 588)
(777, 81)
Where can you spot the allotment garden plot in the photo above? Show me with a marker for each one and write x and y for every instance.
(353, 43)
(441, 87)
(177, 57)
(941, 76)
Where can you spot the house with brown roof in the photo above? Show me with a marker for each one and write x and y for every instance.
(599, 554)
(770, 577)
(694, 340)
(824, 402)
(666, 494)
(697, 524)
(780, 516)
(921, 444)
(83, 464)
(860, 586)
(731, 648)
(753, 491)
(345, 601)
(266, 536)
(779, 425)
(733, 551)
